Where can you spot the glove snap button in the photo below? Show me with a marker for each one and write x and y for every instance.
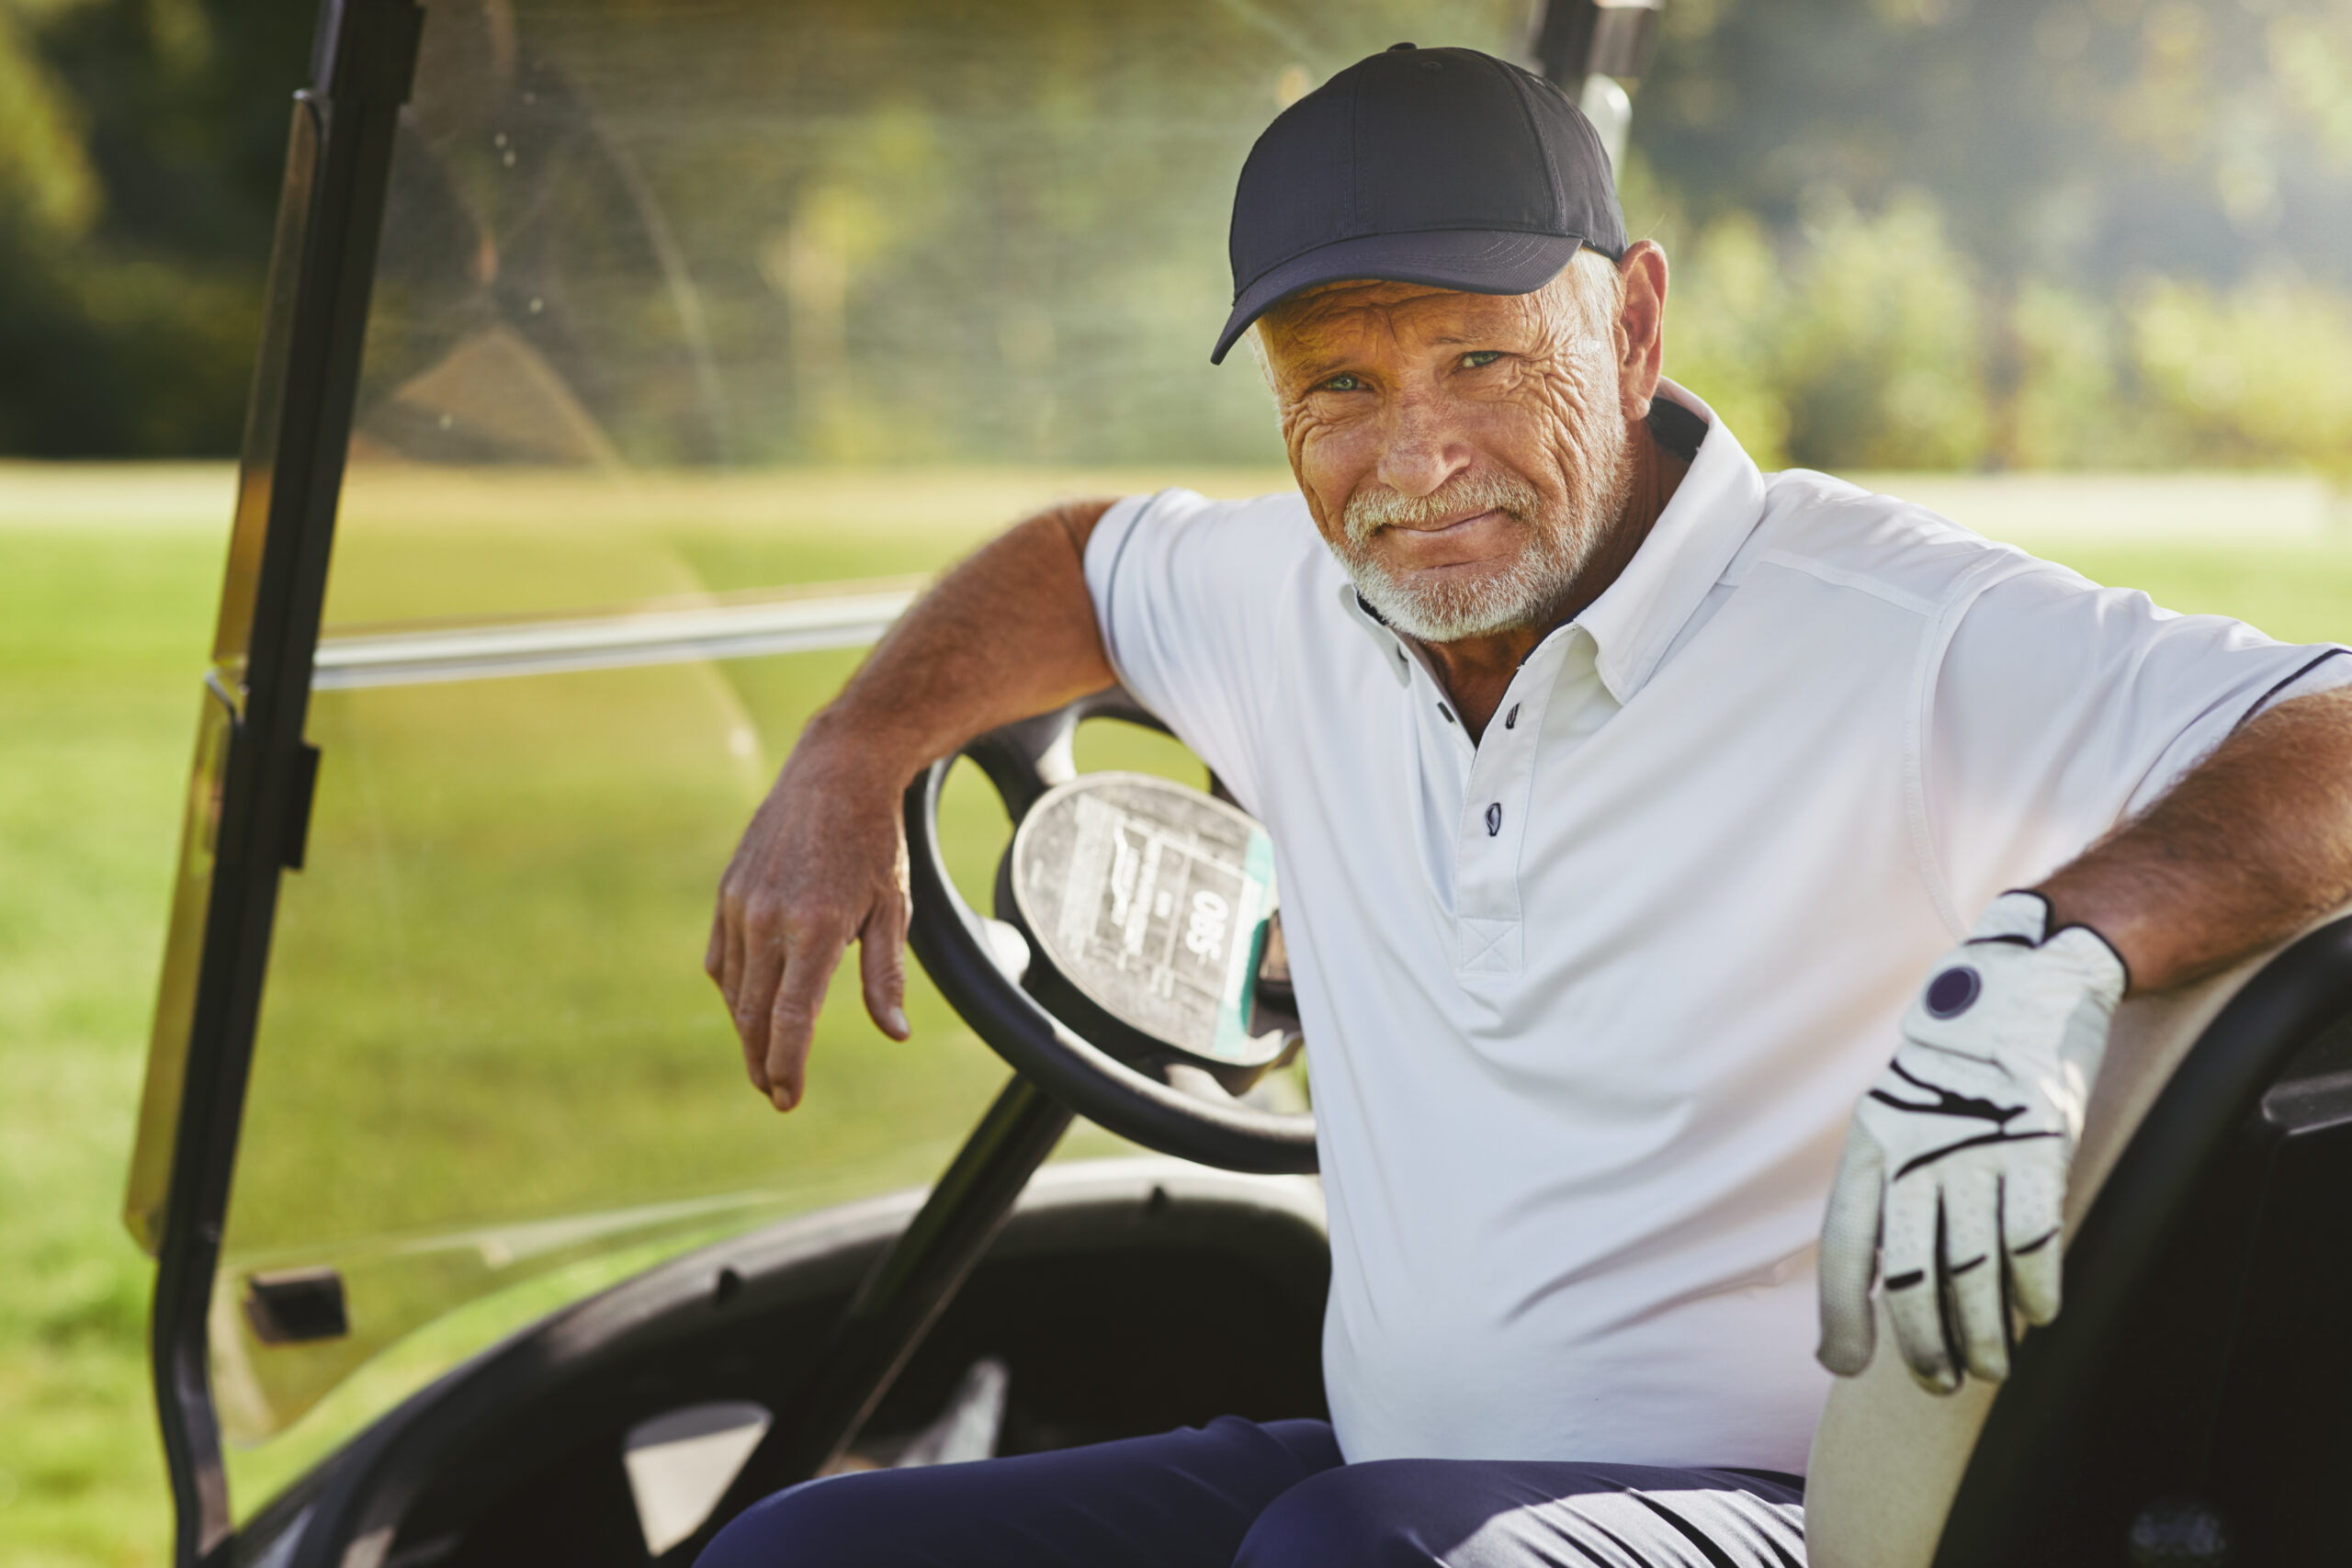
(1953, 992)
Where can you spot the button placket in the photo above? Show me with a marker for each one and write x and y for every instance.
(1495, 814)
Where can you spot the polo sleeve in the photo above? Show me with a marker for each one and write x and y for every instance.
(2061, 708)
(1184, 592)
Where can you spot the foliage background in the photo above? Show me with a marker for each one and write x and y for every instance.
(1925, 233)
(141, 142)
(1908, 234)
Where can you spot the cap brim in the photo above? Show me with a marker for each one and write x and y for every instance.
(1477, 261)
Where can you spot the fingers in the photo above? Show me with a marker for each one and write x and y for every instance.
(2032, 1204)
(882, 969)
(722, 960)
(1959, 1244)
(1913, 1284)
(758, 970)
(714, 964)
(1849, 1256)
(791, 1018)
(1972, 1266)
(730, 940)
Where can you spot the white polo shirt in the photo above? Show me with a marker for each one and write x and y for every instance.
(1588, 1004)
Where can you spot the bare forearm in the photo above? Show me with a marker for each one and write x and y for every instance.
(1009, 632)
(2255, 842)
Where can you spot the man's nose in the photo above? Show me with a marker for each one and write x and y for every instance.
(1420, 449)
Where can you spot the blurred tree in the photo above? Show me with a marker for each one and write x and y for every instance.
(2254, 373)
(2070, 148)
(2071, 141)
(140, 150)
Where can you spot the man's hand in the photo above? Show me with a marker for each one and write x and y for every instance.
(1008, 634)
(823, 864)
(1956, 1160)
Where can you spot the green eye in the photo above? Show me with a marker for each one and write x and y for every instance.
(1342, 384)
(1478, 358)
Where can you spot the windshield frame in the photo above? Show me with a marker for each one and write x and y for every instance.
(254, 782)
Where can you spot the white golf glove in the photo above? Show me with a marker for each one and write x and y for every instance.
(1956, 1160)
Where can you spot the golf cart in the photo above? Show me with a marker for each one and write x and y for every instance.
(616, 357)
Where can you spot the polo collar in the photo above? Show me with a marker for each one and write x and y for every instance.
(1690, 546)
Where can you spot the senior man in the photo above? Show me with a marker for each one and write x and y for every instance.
(1623, 798)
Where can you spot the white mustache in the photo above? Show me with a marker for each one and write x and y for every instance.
(1368, 513)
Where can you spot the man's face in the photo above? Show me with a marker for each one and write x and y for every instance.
(1462, 453)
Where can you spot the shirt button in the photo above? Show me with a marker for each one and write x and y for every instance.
(1493, 818)
(1446, 711)
(1510, 719)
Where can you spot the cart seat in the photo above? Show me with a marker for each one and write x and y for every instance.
(2193, 1402)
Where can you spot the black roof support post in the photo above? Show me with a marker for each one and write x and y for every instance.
(1576, 38)
(910, 1285)
(298, 428)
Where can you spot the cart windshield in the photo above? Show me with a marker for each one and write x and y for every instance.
(701, 333)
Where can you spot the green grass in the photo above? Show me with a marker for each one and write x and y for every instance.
(101, 637)
(402, 956)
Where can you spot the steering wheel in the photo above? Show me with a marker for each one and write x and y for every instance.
(1100, 1033)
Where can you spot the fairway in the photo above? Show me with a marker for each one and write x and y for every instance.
(547, 957)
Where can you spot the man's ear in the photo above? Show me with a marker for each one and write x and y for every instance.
(1641, 326)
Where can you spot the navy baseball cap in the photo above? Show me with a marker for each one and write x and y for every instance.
(1443, 166)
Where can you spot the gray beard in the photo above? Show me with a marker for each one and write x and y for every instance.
(1560, 542)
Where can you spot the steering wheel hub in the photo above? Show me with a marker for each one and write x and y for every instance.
(1146, 906)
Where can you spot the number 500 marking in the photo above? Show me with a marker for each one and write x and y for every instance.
(1204, 933)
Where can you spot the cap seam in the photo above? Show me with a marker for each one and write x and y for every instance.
(1591, 134)
(1535, 133)
(1355, 160)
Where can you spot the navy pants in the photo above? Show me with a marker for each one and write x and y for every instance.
(1236, 1493)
